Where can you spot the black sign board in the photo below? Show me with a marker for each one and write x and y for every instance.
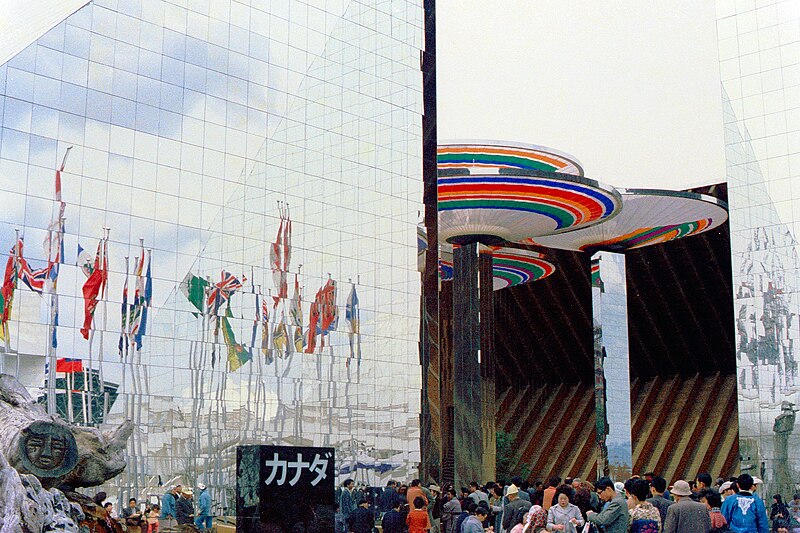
(284, 488)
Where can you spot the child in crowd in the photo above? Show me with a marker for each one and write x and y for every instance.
(417, 519)
(152, 519)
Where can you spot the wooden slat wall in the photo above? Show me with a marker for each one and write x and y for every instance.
(681, 426)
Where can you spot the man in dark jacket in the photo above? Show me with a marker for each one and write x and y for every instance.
(388, 497)
(657, 487)
(393, 521)
(614, 518)
(361, 520)
(184, 510)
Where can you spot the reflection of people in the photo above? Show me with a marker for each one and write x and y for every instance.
(203, 520)
(184, 510)
(132, 516)
(168, 504)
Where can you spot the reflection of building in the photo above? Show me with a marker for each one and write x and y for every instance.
(73, 393)
(192, 128)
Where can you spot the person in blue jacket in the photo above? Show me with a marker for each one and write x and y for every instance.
(203, 521)
(744, 511)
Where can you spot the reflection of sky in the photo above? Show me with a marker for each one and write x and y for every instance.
(188, 143)
(614, 318)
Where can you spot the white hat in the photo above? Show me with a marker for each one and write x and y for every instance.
(512, 489)
(619, 486)
(201, 486)
(681, 488)
(757, 481)
(725, 486)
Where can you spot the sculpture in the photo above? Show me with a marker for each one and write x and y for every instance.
(43, 459)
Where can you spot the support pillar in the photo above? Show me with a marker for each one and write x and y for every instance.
(488, 394)
(467, 404)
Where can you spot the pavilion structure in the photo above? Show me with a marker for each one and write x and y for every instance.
(489, 194)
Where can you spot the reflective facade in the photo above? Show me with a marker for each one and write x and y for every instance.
(193, 125)
(612, 365)
(759, 48)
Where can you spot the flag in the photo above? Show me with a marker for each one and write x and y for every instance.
(194, 288)
(255, 322)
(277, 264)
(596, 280)
(69, 366)
(93, 286)
(313, 320)
(10, 278)
(352, 314)
(238, 355)
(85, 261)
(123, 329)
(329, 313)
(287, 243)
(145, 304)
(280, 338)
(265, 330)
(222, 291)
(135, 317)
(296, 314)
(34, 279)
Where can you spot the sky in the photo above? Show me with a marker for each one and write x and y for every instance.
(630, 88)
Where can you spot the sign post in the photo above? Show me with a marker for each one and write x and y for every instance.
(284, 487)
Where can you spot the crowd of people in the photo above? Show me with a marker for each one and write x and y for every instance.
(176, 512)
(642, 504)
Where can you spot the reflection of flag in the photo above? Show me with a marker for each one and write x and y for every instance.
(329, 313)
(255, 324)
(222, 291)
(352, 314)
(145, 304)
(123, 329)
(91, 289)
(276, 259)
(279, 337)
(596, 280)
(313, 321)
(265, 329)
(68, 365)
(34, 279)
(194, 288)
(296, 314)
(7, 291)
(238, 354)
(85, 261)
(299, 340)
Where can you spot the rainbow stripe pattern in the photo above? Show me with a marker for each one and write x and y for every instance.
(514, 267)
(566, 203)
(505, 156)
(655, 235)
(510, 267)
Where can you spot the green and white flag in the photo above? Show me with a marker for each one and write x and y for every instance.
(194, 288)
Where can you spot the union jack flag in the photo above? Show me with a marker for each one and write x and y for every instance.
(34, 279)
(223, 290)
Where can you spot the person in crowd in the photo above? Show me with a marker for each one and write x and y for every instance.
(702, 481)
(168, 503)
(418, 520)
(109, 507)
(564, 516)
(347, 502)
(626, 492)
(152, 519)
(794, 510)
(451, 510)
(536, 518)
(614, 517)
(184, 509)
(645, 517)
(132, 517)
(583, 499)
(476, 494)
(686, 515)
(745, 512)
(522, 486)
(725, 489)
(649, 477)
(515, 506)
(203, 522)
(435, 507)
(779, 514)
(387, 498)
(496, 502)
(393, 521)
(474, 523)
(550, 492)
(339, 521)
(713, 502)
(414, 492)
(361, 520)
(657, 487)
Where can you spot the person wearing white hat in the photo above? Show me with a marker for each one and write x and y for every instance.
(686, 516)
(726, 489)
(184, 509)
(514, 508)
(203, 522)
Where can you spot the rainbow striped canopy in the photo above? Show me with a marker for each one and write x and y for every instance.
(510, 266)
(648, 216)
(494, 192)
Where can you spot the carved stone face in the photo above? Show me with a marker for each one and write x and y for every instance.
(48, 449)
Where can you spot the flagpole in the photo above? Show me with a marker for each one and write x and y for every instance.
(16, 284)
(107, 233)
